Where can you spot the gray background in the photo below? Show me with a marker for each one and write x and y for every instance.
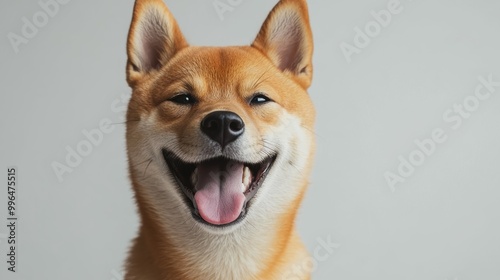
(442, 223)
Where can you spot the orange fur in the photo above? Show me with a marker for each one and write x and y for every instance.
(222, 78)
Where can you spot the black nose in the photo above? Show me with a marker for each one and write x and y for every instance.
(223, 127)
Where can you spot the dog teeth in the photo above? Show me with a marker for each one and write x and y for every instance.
(194, 177)
(247, 179)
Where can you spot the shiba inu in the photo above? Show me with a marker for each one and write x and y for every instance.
(220, 145)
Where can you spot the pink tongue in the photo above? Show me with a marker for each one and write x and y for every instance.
(219, 197)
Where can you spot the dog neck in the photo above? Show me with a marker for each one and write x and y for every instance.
(187, 251)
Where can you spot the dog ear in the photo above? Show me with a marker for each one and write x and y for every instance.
(286, 39)
(154, 38)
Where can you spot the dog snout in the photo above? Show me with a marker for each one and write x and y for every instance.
(223, 127)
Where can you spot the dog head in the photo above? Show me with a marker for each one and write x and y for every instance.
(218, 137)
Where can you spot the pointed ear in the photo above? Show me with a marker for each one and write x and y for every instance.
(286, 39)
(154, 38)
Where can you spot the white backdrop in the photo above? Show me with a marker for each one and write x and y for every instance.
(414, 97)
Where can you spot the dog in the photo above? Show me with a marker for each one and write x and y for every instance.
(220, 144)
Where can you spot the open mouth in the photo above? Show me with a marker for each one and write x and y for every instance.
(218, 190)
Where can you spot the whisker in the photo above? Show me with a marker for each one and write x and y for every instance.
(142, 162)
(272, 147)
(125, 122)
(259, 80)
(312, 131)
(147, 166)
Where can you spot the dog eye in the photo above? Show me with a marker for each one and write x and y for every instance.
(259, 99)
(183, 99)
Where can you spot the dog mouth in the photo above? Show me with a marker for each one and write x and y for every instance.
(218, 190)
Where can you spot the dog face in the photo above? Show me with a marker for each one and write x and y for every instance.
(219, 137)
